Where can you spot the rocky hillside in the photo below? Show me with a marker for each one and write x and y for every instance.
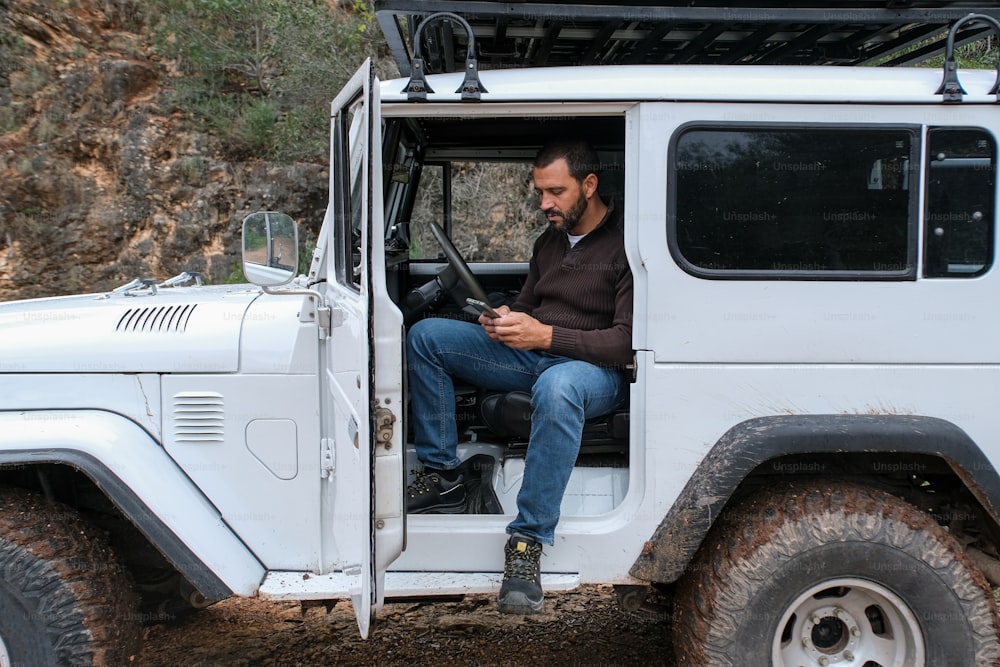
(102, 178)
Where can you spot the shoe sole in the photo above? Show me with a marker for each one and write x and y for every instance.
(518, 603)
(441, 509)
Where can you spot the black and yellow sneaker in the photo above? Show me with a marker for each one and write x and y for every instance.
(436, 492)
(521, 590)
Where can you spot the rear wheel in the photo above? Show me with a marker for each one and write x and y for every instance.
(827, 574)
(63, 598)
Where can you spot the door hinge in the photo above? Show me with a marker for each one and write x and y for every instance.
(328, 319)
(323, 319)
(327, 465)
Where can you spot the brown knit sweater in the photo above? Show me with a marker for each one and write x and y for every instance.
(584, 293)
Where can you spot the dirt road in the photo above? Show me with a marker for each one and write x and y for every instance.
(582, 627)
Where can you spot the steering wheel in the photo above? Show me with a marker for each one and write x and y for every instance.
(458, 265)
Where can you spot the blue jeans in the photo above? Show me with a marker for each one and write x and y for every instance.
(564, 393)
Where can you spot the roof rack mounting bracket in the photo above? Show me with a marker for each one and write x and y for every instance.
(417, 87)
(951, 90)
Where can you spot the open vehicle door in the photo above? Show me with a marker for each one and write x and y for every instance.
(362, 356)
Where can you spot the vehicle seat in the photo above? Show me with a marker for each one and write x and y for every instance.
(508, 415)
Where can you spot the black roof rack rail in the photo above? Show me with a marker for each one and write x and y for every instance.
(951, 90)
(538, 34)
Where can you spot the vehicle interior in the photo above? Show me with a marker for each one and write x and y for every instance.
(461, 218)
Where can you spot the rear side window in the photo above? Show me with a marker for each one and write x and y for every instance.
(794, 202)
(960, 202)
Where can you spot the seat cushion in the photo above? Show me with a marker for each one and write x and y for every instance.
(508, 415)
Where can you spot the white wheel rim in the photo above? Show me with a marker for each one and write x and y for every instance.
(848, 621)
(4, 655)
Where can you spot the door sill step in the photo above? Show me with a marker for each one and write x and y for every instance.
(335, 585)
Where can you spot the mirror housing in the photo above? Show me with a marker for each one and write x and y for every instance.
(270, 248)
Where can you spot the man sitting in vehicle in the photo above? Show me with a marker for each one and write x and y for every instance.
(567, 339)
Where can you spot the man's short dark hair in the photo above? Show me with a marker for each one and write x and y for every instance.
(580, 156)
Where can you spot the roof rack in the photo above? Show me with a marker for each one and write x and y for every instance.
(540, 34)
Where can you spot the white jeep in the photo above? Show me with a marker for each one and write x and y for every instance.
(808, 458)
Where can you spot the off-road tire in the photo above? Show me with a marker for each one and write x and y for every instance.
(63, 598)
(772, 555)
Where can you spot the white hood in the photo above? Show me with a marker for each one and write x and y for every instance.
(176, 330)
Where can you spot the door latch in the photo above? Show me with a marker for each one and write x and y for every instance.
(327, 464)
(385, 422)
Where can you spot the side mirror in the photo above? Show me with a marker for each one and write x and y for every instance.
(270, 248)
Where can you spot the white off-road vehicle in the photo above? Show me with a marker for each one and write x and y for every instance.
(808, 458)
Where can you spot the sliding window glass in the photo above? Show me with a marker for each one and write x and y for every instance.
(794, 202)
(961, 203)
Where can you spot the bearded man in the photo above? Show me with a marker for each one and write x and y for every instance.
(567, 339)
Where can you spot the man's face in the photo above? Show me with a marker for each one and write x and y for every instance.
(562, 200)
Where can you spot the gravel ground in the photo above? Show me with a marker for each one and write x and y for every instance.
(582, 627)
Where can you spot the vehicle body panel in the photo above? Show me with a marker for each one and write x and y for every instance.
(172, 331)
(159, 498)
(749, 84)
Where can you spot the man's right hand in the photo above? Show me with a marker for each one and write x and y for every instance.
(488, 322)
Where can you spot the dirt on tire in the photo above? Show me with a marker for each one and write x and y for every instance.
(581, 627)
(60, 571)
(805, 532)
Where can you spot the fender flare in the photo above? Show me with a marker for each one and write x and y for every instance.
(755, 441)
(139, 477)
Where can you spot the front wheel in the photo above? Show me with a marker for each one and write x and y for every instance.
(833, 574)
(64, 600)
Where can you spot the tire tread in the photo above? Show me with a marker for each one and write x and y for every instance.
(64, 568)
(748, 540)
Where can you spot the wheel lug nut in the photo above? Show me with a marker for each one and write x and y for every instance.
(848, 656)
(855, 630)
(815, 619)
(823, 660)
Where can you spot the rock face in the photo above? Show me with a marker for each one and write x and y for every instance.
(101, 180)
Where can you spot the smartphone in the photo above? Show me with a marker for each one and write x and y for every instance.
(482, 307)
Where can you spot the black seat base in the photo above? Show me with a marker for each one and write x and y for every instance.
(508, 415)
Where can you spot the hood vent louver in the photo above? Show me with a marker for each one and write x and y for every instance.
(199, 417)
(156, 319)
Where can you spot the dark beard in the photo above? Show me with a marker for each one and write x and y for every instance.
(570, 218)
